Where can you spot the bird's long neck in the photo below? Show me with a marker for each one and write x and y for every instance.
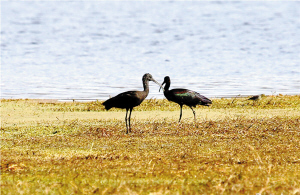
(146, 86)
(167, 86)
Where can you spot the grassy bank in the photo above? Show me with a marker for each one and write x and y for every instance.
(236, 146)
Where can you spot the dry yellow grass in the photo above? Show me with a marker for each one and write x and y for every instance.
(237, 146)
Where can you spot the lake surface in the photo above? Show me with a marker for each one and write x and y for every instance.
(93, 50)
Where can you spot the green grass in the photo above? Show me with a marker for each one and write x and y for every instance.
(236, 147)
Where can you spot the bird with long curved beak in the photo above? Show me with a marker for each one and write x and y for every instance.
(130, 99)
(184, 97)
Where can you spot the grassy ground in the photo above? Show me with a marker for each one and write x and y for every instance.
(236, 146)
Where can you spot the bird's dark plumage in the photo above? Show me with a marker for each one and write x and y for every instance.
(184, 97)
(255, 97)
(130, 99)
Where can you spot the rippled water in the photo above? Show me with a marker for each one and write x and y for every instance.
(99, 49)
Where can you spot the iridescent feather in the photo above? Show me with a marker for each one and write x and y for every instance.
(184, 97)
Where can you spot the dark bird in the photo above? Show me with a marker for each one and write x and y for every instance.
(255, 97)
(184, 97)
(130, 99)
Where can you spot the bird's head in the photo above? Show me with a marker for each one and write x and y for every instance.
(148, 77)
(166, 80)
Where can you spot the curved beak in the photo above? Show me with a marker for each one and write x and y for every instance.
(157, 83)
(161, 86)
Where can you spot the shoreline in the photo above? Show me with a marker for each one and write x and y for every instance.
(42, 100)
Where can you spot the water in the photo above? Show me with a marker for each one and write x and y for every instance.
(95, 49)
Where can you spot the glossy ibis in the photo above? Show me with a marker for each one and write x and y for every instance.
(130, 99)
(184, 97)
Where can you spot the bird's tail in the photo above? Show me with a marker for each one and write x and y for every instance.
(205, 101)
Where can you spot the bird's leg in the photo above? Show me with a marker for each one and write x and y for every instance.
(180, 113)
(126, 121)
(194, 114)
(129, 119)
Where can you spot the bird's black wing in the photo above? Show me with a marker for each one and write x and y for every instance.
(203, 100)
(126, 99)
(188, 97)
